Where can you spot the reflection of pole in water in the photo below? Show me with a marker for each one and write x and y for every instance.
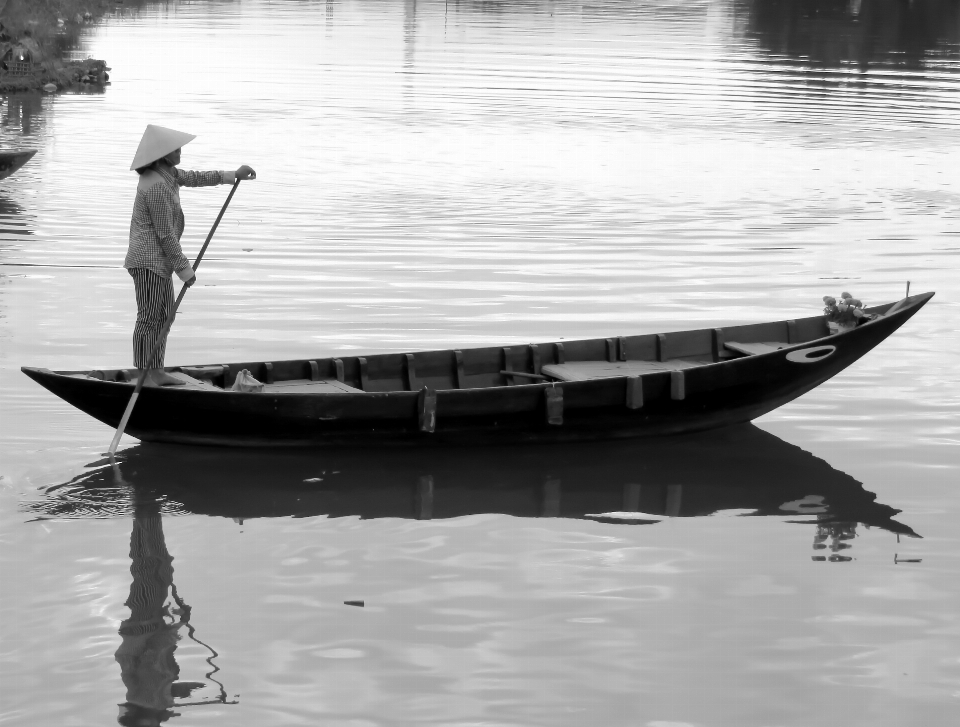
(674, 498)
(631, 497)
(550, 506)
(670, 499)
(409, 46)
(409, 33)
(150, 635)
(424, 502)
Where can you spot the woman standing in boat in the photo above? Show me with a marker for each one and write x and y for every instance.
(155, 230)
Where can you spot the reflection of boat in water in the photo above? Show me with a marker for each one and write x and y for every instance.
(11, 161)
(741, 469)
(735, 469)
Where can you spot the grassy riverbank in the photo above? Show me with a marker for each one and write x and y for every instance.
(47, 29)
(55, 24)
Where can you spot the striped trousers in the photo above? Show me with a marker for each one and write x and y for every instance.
(154, 303)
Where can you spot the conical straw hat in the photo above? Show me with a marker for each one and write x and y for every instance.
(157, 142)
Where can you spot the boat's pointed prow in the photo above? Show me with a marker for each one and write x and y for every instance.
(46, 378)
(36, 374)
(914, 302)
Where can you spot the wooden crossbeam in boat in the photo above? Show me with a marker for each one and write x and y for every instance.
(661, 347)
(612, 353)
(716, 344)
(634, 392)
(268, 373)
(364, 376)
(525, 375)
(553, 400)
(461, 376)
(561, 355)
(427, 410)
(678, 385)
(507, 370)
(338, 364)
(314, 370)
(413, 383)
(535, 357)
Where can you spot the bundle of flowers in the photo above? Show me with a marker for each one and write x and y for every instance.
(845, 314)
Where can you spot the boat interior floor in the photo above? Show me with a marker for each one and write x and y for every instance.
(568, 371)
(293, 386)
(585, 370)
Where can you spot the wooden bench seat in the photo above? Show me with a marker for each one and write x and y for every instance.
(306, 386)
(585, 370)
(755, 349)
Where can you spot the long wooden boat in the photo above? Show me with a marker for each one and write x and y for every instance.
(629, 386)
(11, 161)
(740, 470)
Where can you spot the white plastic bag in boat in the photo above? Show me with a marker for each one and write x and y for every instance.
(246, 382)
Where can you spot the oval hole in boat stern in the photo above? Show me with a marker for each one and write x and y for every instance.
(811, 355)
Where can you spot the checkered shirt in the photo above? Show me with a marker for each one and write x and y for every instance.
(157, 222)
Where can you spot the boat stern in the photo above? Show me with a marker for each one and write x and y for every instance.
(100, 399)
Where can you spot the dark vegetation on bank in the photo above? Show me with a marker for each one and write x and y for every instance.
(35, 35)
(861, 33)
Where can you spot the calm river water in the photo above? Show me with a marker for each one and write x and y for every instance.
(439, 174)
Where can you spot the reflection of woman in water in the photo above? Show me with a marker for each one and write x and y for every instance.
(150, 635)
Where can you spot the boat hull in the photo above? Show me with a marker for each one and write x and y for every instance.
(706, 397)
(11, 161)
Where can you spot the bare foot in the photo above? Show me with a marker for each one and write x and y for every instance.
(159, 377)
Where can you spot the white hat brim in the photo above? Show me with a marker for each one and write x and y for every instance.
(157, 142)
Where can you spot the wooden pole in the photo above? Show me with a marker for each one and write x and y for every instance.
(166, 329)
